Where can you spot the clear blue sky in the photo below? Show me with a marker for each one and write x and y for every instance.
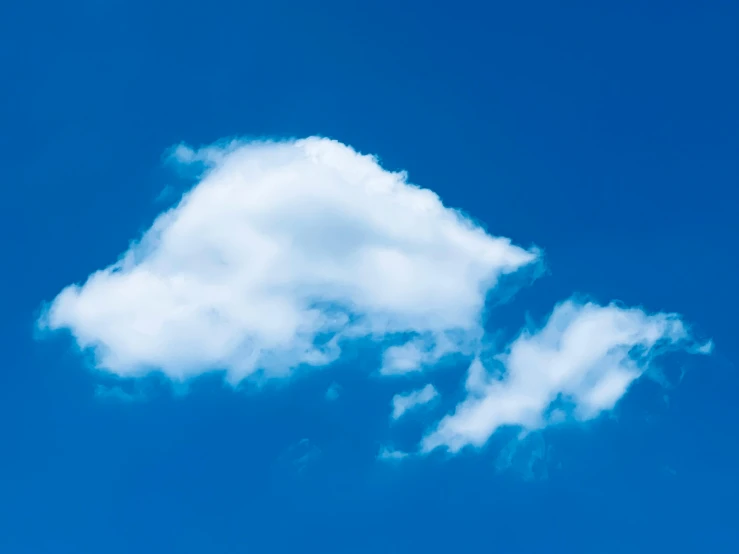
(605, 133)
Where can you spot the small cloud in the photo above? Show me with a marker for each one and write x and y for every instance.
(585, 353)
(183, 154)
(402, 403)
(405, 358)
(705, 348)
(390, 454)
(333, 392)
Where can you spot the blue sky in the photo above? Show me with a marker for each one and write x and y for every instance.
(174, 405)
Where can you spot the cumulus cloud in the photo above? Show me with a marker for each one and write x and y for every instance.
(283, 251)
(579, 364)
(402, 403)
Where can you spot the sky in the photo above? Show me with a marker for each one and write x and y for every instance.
(391, 277)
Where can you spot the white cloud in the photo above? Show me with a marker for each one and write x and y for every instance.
(705, 348)
(284, 251)
(390, 454)
(403, 402)
(586, 356)
(421, 352)
(280, 253)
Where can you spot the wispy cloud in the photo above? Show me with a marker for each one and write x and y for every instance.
(586, 356)
(527, 455)
(300, 455)
(402, 403)
(333, 392)
(390, 454)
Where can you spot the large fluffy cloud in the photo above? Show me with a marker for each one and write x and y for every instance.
(282, 251)
(579, 364)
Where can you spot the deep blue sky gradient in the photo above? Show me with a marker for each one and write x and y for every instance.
(607, 133)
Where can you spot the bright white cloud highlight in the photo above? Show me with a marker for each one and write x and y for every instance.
(280, 253)
(402, 403)
(585, 357)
